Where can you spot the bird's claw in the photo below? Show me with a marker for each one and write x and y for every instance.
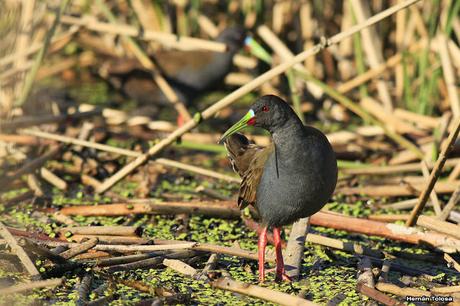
(279, 276)
(282, 277)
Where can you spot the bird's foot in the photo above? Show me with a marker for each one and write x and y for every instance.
(282, 277)
(261, 278)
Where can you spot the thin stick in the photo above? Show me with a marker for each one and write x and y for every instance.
(121, 151)
(37, 120)
(53, 179)
(41, 251)
(144, 248)
(269, 295)
(179, 266)
(295, 248)
(455, 173)
(19, 251)
(80, 248)
(41, 55)
(221, 209)
(388, 230)
(454, 200)
(433, 195)
(398, 189)
(344, 246)
(29, 167)
(107, 239)
(445, 290)
(378, 296)
(84, 288)
(229, 99)
(439, 226)
(396, 290)
(357, 109)
(32, 285)
(103, 230)
(149, 262)
(449, 75)
(434, 174)
(452, 262)
(394, 169)
(65, 37)
(167, 39)
(373, 49)
(281, 50)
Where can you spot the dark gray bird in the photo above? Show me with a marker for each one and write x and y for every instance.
(190, 73)
(292, 178)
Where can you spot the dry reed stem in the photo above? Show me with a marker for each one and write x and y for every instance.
(454, 52)
(79, 248)
(222, 209)
(208, 26)
(344, 246)
(41, 55)
(445, 290)
(285, 54)
(293, 255)
(373, 49)
(396, 290)
(167, 39)
(376, 71)
(231, 98)
(53, 179)
(179, 266)
(146, 15)
(433, 195)
(32, 285)
(121, 151)
(394, 169)
(29, 167)
(26, 121)
(423, 121)
(106, 239)
(345, 65)
(377, 295)
(394, 190)
(57, 40)
(449, 76)
(263, 293)
(102, 230)
(452, 262)
(387, 230)
(439, 226)
(448, 145)
(24, 36)
(19, 251)
(455, 173)
(393, 122)
(453, 201)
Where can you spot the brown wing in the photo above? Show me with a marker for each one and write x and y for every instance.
(248, 160)
(172, 61)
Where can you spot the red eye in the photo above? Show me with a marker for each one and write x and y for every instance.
(265, 108)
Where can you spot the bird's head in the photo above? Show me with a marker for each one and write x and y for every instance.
(233, 37)
(268, 112)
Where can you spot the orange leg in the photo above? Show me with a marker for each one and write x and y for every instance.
(180, 120)
(280, 274)
(261, 248)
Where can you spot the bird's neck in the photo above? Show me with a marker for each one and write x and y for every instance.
(288, 139)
